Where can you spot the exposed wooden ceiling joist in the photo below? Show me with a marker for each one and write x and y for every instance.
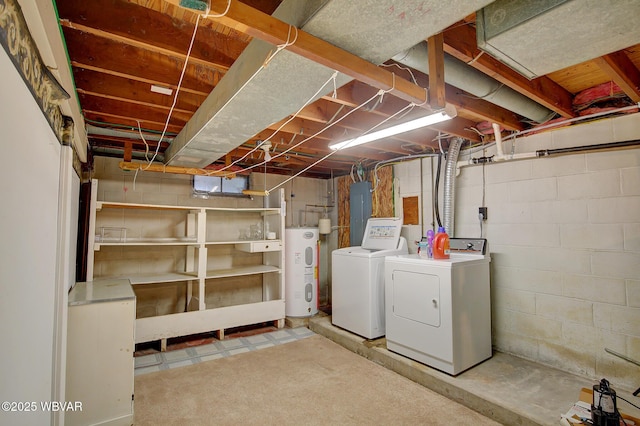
(134, 62)
(129, 23)
(119, 48)
(127, 89)
(623, 72)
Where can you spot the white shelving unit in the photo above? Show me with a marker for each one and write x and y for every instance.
(217, 259)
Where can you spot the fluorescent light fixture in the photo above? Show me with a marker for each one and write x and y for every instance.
(162, 90)
(448, 113)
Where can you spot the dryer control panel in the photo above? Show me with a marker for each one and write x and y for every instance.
(468, 245)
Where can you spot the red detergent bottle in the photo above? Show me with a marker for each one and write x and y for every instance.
(441, 244)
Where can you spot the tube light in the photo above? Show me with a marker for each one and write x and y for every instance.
(448, 113)
(162, 90)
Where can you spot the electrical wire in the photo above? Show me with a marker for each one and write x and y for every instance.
(627, 401)
(397, 160)
(146, 145)
(206, 14)
(314, 135)
(436, 190)
(175, 97)
(413, 77)
(264, 64)
(381, 92)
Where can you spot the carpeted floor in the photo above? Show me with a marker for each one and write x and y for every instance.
(312, 381)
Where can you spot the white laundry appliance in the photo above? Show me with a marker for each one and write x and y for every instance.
(301, 272)
(439, 311)
(357, 280)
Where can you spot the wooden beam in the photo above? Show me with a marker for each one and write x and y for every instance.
(483, 110)
(623, 72)
(90, 81)
(436, 71)
(133, 101)
(128, 123)
(247, 20)
(479, 108)
(161, 168)
(460, 42)
(116, 58)
(128, 148)
(129, 23)
(127, 109)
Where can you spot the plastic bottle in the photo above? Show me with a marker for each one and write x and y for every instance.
(430, 235)
(441, 245)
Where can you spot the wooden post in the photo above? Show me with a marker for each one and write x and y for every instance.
(436, 71)
(128, 151)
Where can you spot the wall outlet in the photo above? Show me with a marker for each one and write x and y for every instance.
(482, 213)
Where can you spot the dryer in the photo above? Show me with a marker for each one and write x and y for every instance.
(357, 279)
(438, 312)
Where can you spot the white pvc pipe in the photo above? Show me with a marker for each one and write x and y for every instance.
(498, 135)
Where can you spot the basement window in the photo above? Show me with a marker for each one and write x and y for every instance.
(206, 186)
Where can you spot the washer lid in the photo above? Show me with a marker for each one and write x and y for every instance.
(382, 233)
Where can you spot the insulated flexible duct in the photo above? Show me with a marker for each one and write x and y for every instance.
(464, 77)
(450, 183)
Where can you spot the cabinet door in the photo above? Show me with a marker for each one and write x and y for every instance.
(100, 364)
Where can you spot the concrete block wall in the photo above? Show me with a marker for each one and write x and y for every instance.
(564, 233)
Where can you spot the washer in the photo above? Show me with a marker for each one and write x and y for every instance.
(439, 311)
(357, 279)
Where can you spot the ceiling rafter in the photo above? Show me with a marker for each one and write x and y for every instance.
(623, 72)
(158, 115)
(134, 102)
(138, 63)
(129, 23)
(105, 72)
(108, 119)
(119, 48)
(133, 90)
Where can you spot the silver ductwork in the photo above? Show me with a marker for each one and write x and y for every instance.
(464, 77)
(537, 38)
(102, 131)
(450, 184)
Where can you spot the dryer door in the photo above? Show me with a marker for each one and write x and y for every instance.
(416, 297)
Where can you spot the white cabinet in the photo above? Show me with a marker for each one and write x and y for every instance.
(100, 349)
(194, 269)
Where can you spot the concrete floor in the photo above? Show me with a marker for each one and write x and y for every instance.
(508, 389)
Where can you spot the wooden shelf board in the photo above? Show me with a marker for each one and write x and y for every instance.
(118, 205)
(167, 277)
(239, 242)
(122, 205)
(149, 242)
(245, 270)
